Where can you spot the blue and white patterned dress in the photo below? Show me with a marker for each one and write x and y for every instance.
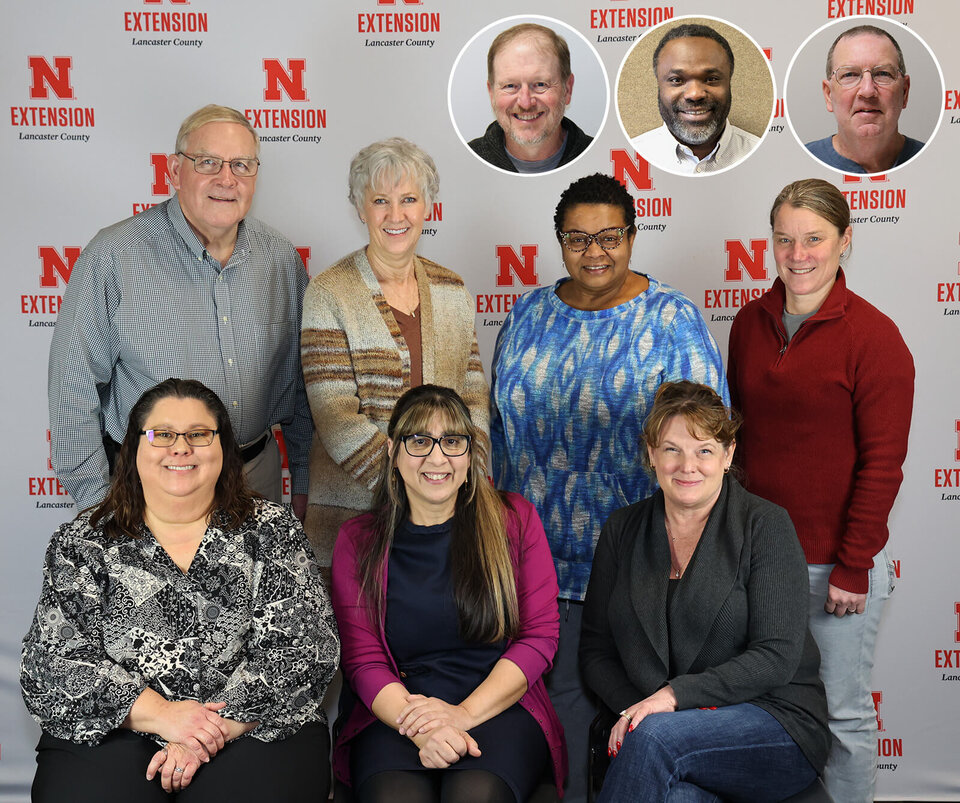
(570, 393)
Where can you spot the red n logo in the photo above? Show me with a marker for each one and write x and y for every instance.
(289, 78)
(524, 266)
(161, 175)
(877, 699)
(847, 179)
(56, 78)
(738, 259)
(304, 251)
(635, 167)
(53, 265)
(956, 633)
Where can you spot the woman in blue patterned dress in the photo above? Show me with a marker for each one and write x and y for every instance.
(576, 368)
(183, 640)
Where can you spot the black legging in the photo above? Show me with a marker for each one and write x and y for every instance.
(435, 786)
(295, 770)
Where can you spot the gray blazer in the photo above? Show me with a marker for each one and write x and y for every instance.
(735, 630)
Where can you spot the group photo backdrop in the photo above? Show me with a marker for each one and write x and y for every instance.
(93, 96)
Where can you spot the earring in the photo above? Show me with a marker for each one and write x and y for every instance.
(726, 469)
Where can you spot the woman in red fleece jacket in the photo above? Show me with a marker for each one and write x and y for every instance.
(825, 385)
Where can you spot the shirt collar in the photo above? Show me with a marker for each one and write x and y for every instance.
(684, 154)
(192, 242)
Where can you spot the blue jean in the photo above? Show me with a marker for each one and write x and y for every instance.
(846, 665)
(735, 753)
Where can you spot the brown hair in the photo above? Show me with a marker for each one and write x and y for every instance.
(555, 42)
(484, 585)
(701, 407)
(121, 513)
(817, 196)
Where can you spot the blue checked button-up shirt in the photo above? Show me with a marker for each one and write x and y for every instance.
(146, 302)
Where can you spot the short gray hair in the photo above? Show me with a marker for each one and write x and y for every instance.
(868, 30)
(213, 114)
(387, 162)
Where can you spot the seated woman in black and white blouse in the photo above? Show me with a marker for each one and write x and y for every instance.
(179, 615)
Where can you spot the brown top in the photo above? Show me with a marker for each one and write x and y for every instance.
(410, 329)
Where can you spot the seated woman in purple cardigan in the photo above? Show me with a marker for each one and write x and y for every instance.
(444, 659)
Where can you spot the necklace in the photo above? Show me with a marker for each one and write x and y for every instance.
(675, 569)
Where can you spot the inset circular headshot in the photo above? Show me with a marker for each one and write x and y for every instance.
(864, 95)
(695, 96)
(528, 94)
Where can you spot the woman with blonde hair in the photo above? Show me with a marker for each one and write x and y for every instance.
(378, 322)
(825, 384)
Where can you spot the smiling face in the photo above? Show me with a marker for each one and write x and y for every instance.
(432, 482)
(866, 111)
(394, 219)
(597, 273)
(807, 249)
(693, 91)
(689, 470)
(529, 97)
(179, 472)
(214, 205)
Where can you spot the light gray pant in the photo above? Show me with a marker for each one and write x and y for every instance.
(846, 665)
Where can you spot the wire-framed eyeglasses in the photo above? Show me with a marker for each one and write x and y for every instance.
(163, 438)
(212, 165)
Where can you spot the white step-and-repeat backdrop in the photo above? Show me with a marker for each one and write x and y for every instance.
(96, 92)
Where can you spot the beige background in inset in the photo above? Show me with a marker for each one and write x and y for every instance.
(751, 86)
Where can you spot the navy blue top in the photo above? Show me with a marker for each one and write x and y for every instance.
(423, 634)
(421, 618)
(823, 150)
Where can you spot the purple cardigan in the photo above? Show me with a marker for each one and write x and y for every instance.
(368, 665)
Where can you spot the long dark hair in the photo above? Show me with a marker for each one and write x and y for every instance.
(121, 513)
(484, 584)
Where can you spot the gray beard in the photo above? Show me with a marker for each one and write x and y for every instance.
(692, 134)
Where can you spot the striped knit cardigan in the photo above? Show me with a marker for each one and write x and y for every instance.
(356, 365)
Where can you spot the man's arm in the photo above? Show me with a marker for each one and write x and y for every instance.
(298, 433)
(82, 357)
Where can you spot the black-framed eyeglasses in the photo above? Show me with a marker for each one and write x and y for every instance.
(882, 75)
(607, 239)
(422, 445)
(163, 438)
(212, 165)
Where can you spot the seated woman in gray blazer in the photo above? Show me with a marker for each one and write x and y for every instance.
(695, 625)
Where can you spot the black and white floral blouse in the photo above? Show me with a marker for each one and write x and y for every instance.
(250, 624)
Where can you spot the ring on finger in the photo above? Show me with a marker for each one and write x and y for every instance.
(625, 715)
(179, 769)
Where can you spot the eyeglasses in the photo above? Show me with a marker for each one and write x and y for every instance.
(422, 445)
(577, 241)
(162, 438)
(882, 75)
(212, 165)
